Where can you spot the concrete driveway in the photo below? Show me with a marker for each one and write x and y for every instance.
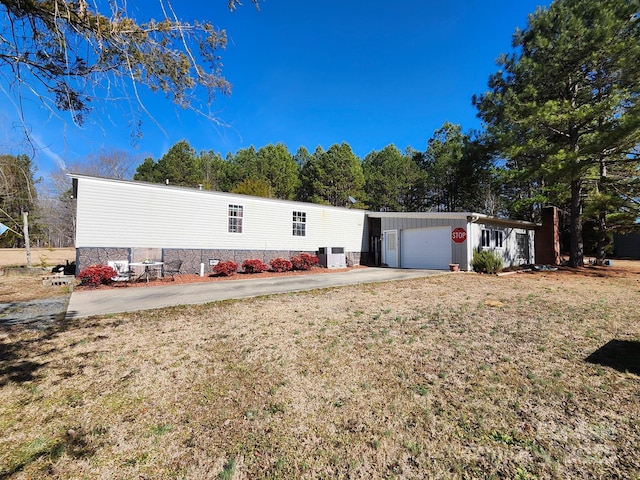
(87, 303)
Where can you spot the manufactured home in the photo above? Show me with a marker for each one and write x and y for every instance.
(136, 221)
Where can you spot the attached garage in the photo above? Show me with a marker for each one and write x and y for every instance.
(434, 240)
(426, 248)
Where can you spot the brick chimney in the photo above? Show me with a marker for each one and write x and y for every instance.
(548, 238)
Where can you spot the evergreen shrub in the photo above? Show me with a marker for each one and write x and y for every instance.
(486, 261)
(95, 275)
(304, 261)
(225, 268)
(280, 264)
(254, 266)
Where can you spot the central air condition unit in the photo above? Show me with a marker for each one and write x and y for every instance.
(332, 257)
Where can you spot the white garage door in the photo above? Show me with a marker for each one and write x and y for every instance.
(426, 248)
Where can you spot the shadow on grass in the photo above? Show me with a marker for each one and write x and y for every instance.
(19, 354)
(24, 353)
(28, 330)
(16, 370)
(70, 443)
(622, 355)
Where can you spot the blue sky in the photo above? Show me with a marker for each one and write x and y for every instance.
(306, 73)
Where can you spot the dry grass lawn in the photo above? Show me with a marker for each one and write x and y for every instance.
(16, 287)
(458, 376)
(10, 257)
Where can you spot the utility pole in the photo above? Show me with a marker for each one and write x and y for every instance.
(25, 228)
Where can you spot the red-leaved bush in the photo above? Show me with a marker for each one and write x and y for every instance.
(226, 268)
(304, 261)
(254, 265)
(280, 265)
(95, 275)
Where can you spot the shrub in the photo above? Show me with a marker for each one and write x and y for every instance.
(254, 266)
(280, 264)
(225, 268)
(95, 275)
(486, 261)
(304, 261)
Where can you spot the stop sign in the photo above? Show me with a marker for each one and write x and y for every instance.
(459, 235)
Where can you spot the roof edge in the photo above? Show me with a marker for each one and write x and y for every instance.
(471, 217)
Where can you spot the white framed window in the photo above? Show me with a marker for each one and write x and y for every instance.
(492, 238)
(235, 218)
(486, 239)
(522, 240)
(392, 240)
(299, 224)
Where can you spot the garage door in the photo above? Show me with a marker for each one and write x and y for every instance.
(426, 248)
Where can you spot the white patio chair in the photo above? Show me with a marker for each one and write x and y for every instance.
(122, 269)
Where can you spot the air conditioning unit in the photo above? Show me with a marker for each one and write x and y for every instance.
(332, 257)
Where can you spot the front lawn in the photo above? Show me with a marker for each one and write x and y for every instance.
(456, 376)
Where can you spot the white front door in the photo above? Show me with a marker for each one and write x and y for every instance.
(390, 248)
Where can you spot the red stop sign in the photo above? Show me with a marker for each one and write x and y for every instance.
(459, 235)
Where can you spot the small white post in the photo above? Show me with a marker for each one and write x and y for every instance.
(25, 228)
(202, 269)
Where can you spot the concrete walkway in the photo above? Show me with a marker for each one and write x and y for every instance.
(87, 303)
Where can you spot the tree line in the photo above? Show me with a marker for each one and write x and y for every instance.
(561, 126)
(447, 176)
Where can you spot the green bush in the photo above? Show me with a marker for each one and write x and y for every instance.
(486, 261)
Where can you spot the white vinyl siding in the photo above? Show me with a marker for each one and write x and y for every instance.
(114, 213)
(514, 245)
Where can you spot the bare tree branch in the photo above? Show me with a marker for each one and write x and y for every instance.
(69, 54)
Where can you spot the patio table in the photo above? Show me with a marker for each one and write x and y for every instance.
(148, 267)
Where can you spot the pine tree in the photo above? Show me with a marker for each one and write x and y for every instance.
(568, 97)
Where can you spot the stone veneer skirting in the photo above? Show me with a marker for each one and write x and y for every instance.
(191, 258)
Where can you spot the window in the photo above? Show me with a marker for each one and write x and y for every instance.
(235, 218)
(486, 238)
(523, 246)
(299, 224)
(391, 240)
(492, 238)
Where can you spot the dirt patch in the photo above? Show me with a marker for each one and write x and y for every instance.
(619, 269)
(21, 285)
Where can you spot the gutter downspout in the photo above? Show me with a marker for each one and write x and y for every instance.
(473, 218)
